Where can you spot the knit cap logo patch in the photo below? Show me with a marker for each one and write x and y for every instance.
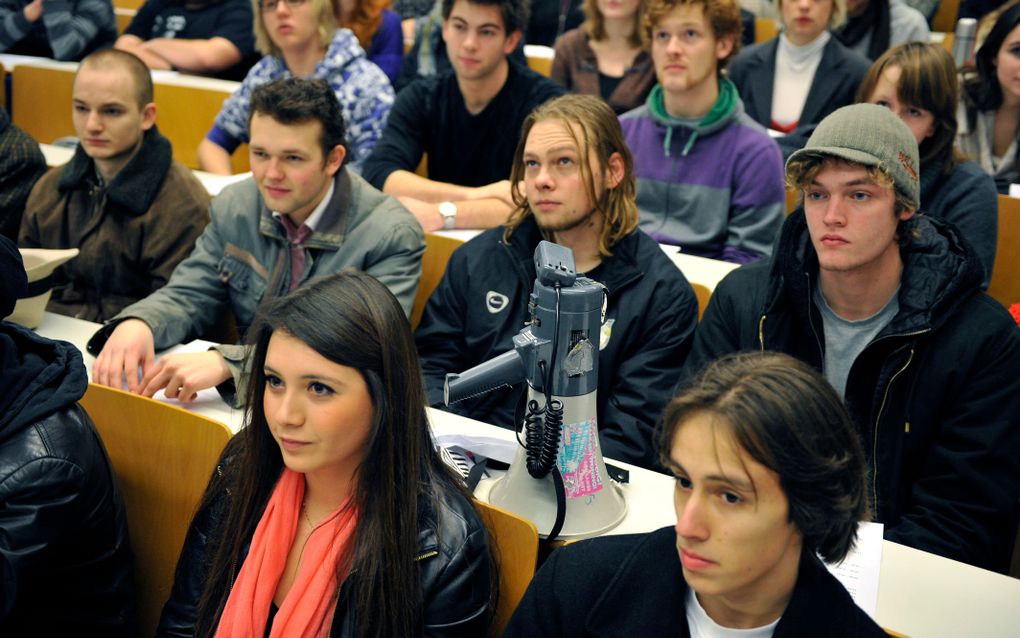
(907, 165)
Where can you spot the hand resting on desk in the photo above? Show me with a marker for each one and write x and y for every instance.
(129, 354)
(129, 348)
(183, 375)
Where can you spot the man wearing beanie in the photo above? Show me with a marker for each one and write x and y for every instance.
(65, 561)
(887, 303)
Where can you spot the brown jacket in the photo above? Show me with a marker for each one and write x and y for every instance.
(131, 234)
(576, 68)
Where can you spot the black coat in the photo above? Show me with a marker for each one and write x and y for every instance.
(651, 317)
(835, 84)
(936, 395)
(452, 555)
(633, 586)
(66, 567)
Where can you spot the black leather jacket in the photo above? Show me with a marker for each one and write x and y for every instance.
(452, 553)
(65, 561)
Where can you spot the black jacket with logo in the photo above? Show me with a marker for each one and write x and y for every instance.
(481, 303)
(65, 562)
(936, 394)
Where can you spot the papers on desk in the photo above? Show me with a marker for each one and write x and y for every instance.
(859, 571)
(491, 448)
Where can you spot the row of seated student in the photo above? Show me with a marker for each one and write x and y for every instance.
(328, 218)
(926, 361)
(209, 37)
(715, 187)
(332, 502)
(216, 37)
(474, 193)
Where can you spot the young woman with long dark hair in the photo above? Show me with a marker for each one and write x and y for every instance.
(331, 512)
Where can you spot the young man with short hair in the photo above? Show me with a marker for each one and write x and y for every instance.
(302, 215)
(465, 122)
(887, 303)
(123, 201)
(710, 179)
(578, 191)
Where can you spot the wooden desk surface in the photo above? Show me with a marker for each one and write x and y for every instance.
(920, 594)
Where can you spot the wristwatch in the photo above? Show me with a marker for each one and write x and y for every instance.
(449, 212)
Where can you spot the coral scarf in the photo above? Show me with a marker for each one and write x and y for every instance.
(310, 603)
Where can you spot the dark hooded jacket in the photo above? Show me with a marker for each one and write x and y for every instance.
(65, 560)
(482, 302)
(936, 394)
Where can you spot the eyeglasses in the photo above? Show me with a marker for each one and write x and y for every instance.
(270, 5)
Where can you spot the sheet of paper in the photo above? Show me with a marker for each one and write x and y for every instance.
(859, 571)
(485, 446)
(208, 396)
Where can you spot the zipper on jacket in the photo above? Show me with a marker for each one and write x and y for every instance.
(761, 332)
(878, 421)
(429, 554)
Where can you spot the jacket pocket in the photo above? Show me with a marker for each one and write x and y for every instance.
(247, 280)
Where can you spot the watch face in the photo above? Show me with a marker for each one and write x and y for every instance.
(448, 210)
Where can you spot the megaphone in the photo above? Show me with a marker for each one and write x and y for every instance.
(558, 478)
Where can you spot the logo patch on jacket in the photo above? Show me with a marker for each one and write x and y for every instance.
(495, 302)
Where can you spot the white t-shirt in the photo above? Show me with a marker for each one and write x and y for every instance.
(702, 626)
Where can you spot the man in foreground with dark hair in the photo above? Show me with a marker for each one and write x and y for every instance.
(65, 560)
(302, 215)
(770, 478)
(888, 304)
